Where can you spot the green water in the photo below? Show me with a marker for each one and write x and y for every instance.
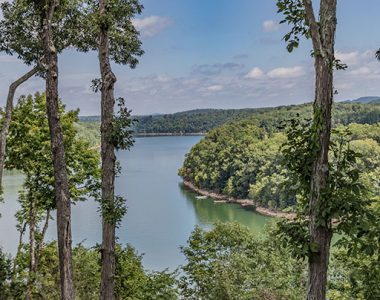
(161, 213)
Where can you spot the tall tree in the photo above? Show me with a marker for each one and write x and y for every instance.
(62, 195)
(37, 31)
(107, 27)
(108, 156)
(300, 14)
(323, 38)
(108, 80)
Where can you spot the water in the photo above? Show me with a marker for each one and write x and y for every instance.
(161, 213)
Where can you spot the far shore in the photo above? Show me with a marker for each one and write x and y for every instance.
(243, 202)
(142, 134)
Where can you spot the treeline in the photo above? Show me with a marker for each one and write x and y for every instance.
(203, 120)
(228, 262)
(243, 160)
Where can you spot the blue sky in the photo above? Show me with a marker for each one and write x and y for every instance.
(218, 54)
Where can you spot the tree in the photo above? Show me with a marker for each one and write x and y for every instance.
(11, 45)
(107, 27)
(37, 31)
(231, 262)
(29, 151)
(108, 80)
(300, 14)
(132, 282)
(62, 194)
(8, 115)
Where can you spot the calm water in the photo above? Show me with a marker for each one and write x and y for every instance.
(161, 213)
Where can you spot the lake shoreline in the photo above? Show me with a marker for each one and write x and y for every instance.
(246, 203)
(158, 134)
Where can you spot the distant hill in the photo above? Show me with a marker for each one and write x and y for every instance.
(362, 110)
(89, 118)
(369, 99)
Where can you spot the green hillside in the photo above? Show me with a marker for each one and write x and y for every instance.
(243, 160)
(203, 120)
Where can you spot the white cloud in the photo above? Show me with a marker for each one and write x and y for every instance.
(152, 25)
(162, 78)
(215, 88)
(255, 73)
(361, 71)
(286, 72)
(348, 57)
(271, 26)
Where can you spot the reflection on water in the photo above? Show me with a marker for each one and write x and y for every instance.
(208, 212)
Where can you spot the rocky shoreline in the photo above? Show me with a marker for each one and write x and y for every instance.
(243, 202)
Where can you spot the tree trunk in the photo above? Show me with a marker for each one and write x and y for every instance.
(108, 160)
(62, 196)
(8, 116)
(43, 233)
(32, 248)
(14, 268)
(320, 234)
(323, 37)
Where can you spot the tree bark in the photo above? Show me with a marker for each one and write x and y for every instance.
(108, 159)
(32, 248)
(62, 196)
(323, 37)
(8, 116)
(43, 233)
(22, 231)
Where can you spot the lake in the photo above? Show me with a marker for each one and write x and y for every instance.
(161, 213)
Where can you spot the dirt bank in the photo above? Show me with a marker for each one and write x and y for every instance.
(243, 202)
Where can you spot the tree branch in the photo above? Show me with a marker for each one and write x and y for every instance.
(314, 28)
(8, 114)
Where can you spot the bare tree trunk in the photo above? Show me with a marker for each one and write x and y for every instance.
(8, 116)
(43, 233)
(62, 196)
(323, 37)
(22, 231)
(108, 160)
(32, 248)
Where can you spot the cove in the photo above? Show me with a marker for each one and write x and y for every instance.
(161, 212)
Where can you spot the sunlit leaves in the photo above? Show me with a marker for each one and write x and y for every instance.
(231, 262)
(29, 150)
(125, 44)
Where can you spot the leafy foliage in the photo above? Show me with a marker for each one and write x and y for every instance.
(28, 150)
(21, 25)
(294, 15)
(231, 262)
(132, 281)
(5, 274)
(122, 127)
(125, 45)
(242, 160)
(347, 197)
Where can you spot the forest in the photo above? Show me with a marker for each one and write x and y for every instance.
(244, 160)
(203, 120)
(320, 160)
